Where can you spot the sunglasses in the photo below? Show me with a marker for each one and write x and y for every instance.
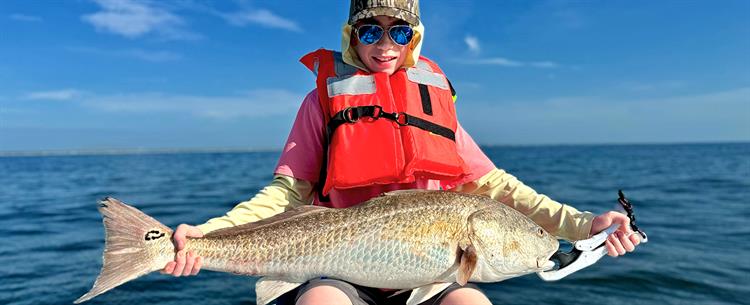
(372, 33)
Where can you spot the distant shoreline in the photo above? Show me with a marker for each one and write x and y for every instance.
(160, 151)
(135, 151)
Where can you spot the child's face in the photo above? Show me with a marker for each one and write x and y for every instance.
(384, 55)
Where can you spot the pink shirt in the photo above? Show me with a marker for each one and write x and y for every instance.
(303, 155)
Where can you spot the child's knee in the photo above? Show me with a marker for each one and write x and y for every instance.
(465, 296)
(324, 295)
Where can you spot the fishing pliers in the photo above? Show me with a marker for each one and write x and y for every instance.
(588, 251)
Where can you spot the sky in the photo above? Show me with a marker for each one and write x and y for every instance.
(105, 74)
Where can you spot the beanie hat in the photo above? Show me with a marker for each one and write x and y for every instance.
(407, 10)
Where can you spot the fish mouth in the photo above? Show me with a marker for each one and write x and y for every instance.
(544, 264)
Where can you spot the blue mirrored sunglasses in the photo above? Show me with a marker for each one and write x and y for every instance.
(372, 33)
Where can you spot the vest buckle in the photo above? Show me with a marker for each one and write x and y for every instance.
(401, 118)
(346, 114)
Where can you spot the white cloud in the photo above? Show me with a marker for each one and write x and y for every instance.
(712, 116)
(544, 64)
(261, 17)
(473, 44)
(138, 18)
(505, 62)
(147, 55)
(497, 61)
(254, 103)
(25, 18)
(475, 48)
(55, 95)
(134, 19)
(153, 56)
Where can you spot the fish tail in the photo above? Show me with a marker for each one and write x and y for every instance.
(135, 245)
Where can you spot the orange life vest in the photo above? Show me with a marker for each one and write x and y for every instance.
(385, 129)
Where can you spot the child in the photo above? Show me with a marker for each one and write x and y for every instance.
(382, 119)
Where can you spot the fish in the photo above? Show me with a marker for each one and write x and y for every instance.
(413, 240)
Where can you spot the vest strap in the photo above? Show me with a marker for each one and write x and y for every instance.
(424, 93)
(323, 175)
(430, 126)
(352, 114)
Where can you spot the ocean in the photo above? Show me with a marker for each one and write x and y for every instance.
(693, 200)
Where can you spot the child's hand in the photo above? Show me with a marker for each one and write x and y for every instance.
(184, 263)
(621, 241)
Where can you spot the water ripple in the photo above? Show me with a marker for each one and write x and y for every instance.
(691, 199)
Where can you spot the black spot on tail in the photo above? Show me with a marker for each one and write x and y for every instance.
(103, 202)
(154, 235)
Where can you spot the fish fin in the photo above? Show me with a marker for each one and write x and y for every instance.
(268, 289)
(281, 217)
(129, 233)
(404, 192)
(449, 273)
(467, 266)
(424, 293)
(399, 292)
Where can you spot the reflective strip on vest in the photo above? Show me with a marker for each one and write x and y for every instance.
(351, 84)
(423, 65)
(420, 76)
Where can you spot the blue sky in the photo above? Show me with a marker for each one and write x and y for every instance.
(224, 74)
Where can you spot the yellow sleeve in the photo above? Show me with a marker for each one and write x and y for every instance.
(558, 219)
(282, 194)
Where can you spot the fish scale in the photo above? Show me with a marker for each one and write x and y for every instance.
(402, 240)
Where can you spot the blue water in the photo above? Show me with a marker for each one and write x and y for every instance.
(693, 200)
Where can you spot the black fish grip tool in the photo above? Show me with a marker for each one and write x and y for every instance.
(588, 251)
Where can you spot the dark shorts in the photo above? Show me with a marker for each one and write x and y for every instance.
(361, 295)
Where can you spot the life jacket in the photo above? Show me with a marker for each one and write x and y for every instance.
(384, 129)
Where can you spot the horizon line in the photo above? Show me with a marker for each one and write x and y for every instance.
(210, 150)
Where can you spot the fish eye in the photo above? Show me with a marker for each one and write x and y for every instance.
(540, 232)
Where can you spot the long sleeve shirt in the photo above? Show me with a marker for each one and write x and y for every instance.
(300, 162)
